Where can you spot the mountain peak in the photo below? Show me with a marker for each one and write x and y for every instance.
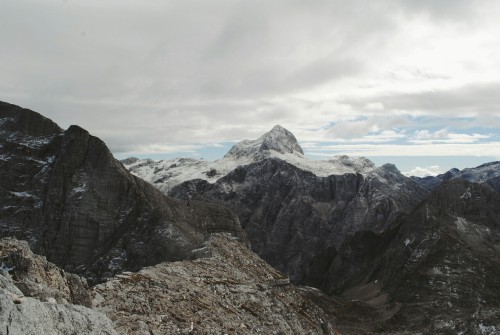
(277, 139)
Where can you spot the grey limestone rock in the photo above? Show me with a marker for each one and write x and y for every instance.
(37, 298)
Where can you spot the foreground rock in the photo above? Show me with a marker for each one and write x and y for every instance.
(233, 291)
(38, 298)
(65, 193)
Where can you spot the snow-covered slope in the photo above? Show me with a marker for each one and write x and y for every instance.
(277, 143)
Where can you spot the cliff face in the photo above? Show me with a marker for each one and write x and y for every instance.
(297, 220)
(65, 193)
(436, 270)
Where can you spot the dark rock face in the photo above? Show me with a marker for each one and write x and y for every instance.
(296, 220)
(66, 194)
(488, 173)
(435, 271)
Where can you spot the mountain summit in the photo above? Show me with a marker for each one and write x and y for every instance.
(278, 143)
(277, 139)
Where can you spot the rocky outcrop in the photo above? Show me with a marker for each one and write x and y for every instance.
(233, 291)
(435, 271)
(488, 174)
(36, 297)
(66, 194)
(296, 220)
(37, 278)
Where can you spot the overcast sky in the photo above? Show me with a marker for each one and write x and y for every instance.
(415, 82)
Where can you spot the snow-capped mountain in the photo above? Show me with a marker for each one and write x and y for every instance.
(277, 140)
(277, 143)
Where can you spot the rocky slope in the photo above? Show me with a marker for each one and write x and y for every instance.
(37, 298)
(231, 292)
(296, 212)
(488, 173)
(434, 272)
(65, 193)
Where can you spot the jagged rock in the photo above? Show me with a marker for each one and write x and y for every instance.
(35, 296)
(65, 193)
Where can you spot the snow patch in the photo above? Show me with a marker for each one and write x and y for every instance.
(466, 194)
(23, 194)
(487, 329)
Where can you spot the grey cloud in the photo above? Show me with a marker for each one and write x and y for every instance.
(190, 71)
(471, 100)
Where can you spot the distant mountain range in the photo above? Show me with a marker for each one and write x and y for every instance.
(388, 254)
(488, 173)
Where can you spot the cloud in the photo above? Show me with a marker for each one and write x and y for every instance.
(443, 136)
(490, 149)
(424, 171)
(186, 75)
